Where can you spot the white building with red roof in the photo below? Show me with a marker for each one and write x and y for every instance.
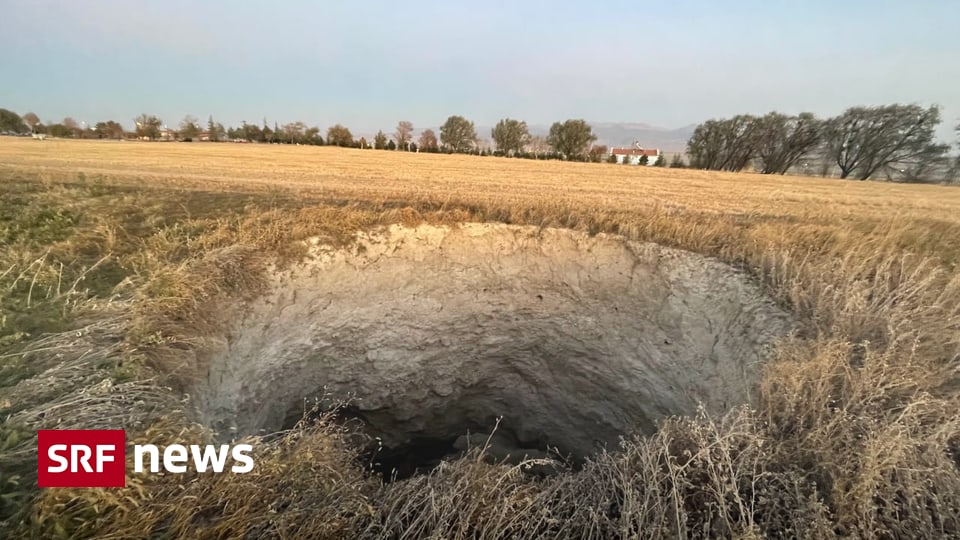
(636, 154)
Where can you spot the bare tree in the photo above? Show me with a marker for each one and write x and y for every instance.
(538, 145)
(404, 134)
(782, 140)
(598, 153)
(147, 126)
(73, 126)
(32, 120)
(295, 133)
(866, 140)
(724, 145)
(428, 141)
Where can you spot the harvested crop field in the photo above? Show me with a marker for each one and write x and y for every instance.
(433, 346)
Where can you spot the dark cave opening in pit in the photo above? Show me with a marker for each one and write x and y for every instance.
(495, 443)
(572, 341)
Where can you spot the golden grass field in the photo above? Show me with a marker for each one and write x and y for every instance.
(399, 176)
(856, 432)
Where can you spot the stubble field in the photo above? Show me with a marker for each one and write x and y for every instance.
(117, 260)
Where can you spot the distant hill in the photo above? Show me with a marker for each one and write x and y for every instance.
(624, 134)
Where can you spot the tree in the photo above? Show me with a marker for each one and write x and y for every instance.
(295, 133)
(661, 161)
(72, 126)
(428, 141)
(705, 145)
(865, 140)
(60, 131)
(108, 130)
(215, 130)
(538, 146)
(931, 169)
(266, 134)
(391, 145)
(404, 134)
(11, 121)
(252, 132)
(723, 145)
(597, 153)
(312, 136)
(677, 161)
(612, 158)
(363, 142)
(482, 147)
(148, 126)
(571, 139)
(189, 127)
(458, 134)
(339, 135)
(380, 140)
(510, 136)
(956, 164)
(782, 140)
(644, 160)
(32, 121)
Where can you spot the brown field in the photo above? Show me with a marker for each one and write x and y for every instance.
(855, 433)
(381, 176)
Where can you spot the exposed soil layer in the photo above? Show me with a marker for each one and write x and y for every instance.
(433, 332)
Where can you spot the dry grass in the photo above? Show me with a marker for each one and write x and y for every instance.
(856, 432)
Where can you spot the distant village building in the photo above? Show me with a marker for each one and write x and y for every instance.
(635, 155)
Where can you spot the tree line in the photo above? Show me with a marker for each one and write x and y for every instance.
(896, 142)
(571, 140)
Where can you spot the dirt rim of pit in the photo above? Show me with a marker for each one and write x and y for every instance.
(570, 340)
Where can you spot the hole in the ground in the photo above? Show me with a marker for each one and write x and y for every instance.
(571, 341)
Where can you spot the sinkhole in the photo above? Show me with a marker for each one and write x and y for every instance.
(563, 340)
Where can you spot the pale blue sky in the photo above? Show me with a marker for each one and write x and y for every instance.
(370, 64)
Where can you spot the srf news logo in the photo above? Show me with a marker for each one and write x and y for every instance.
(97, 458)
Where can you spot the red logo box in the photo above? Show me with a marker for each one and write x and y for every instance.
(81, 458)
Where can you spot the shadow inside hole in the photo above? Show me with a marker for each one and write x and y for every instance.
(495, 443)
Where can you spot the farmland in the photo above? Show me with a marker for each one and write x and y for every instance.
(118, 258)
